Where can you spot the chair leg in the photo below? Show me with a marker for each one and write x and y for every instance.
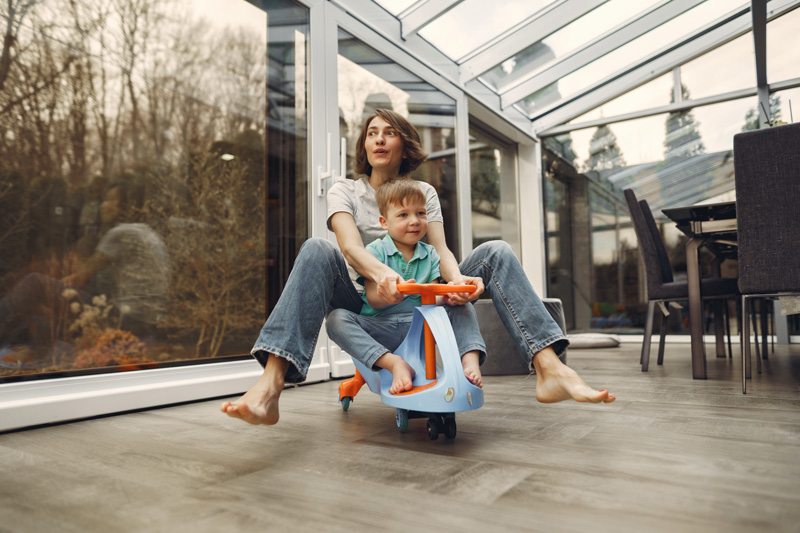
(648, 332)
(765, 304)
(744, 333)
(728, 329)
(661, 340)
(753, 313)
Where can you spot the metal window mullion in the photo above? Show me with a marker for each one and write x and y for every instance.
(463, 176)
(759, 13)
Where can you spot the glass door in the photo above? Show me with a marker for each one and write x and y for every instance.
(367, 79)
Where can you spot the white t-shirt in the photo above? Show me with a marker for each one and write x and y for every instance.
(357, 197)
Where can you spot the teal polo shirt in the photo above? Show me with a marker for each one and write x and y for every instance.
(423, 267)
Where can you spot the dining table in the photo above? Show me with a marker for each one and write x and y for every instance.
(713, 226)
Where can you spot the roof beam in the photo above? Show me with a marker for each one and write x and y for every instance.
(705, 40)
(759, 10)
(427, 12)
(604, 44)
(531, 31)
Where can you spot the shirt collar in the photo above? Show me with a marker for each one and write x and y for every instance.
(391, 248)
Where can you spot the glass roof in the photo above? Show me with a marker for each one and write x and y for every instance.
(553, 62)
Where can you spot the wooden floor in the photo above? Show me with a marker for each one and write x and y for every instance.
(672, 454)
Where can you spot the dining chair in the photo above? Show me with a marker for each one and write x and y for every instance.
(767, 177)
(661, 285)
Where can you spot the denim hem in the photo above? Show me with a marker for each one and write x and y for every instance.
(562, 341)
(296, 373)
(374, 356)
(481, 349)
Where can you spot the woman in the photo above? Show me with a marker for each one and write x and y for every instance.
(388, 148)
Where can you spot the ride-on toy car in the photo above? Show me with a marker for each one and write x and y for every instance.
(439, 390)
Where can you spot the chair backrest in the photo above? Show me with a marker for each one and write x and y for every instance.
(647, 246)
(661, 250)
(767, 174)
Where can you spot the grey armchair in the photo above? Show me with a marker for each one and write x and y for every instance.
(767, 174)
(661, 286)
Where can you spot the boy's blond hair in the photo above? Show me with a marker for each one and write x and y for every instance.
(398, 192)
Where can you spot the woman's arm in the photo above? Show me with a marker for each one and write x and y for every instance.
(448, 267)
(349, 239)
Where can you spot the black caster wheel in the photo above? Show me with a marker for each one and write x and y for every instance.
(450, 428)
(346, 403)
(402, 420)
(433, 429)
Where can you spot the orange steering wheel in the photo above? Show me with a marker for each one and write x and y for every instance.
(429, 292)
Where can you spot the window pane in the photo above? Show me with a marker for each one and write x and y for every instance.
(395, 7)
(369, 80)
(783, 55)
(728, 68)
(473, 23)
(495, 213)
(139, 186)
(785, 106)
(674, 159)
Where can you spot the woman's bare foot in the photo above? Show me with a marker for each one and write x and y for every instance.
(472, 368)
(556, 382)
(259, 405)
(402, 373)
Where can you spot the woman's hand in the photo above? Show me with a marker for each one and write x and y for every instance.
(460, 298)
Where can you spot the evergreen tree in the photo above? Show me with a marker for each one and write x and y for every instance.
(683, 139)
(753, 117)
(604, 153)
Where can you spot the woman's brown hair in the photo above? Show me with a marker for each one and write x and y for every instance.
(412, 145)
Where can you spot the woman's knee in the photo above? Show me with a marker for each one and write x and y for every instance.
(495, 251)
(317, 247)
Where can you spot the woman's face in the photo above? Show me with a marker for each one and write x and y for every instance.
(110, 209)
(384, 147)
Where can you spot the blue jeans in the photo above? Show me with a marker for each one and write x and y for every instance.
(520, 309)
(319, 282)
(367, 338)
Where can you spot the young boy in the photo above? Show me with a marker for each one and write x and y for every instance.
(371, 336)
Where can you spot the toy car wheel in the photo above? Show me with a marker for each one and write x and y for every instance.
(450, 428)
(433, 429)
(346, 403)
(402, 420)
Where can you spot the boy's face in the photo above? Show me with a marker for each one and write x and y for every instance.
(406, 223)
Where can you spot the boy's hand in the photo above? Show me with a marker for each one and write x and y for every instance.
(387, 287)
(460, 298)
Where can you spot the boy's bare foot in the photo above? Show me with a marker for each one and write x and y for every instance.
(556, 382)
(259, 405)
(402, 373)
(472, 368)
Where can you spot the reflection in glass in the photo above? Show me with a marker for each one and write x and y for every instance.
(495, 212)
(138, 148)
(368, 80)
(673, 159)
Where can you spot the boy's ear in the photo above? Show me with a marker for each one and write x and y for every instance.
(383, 222)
